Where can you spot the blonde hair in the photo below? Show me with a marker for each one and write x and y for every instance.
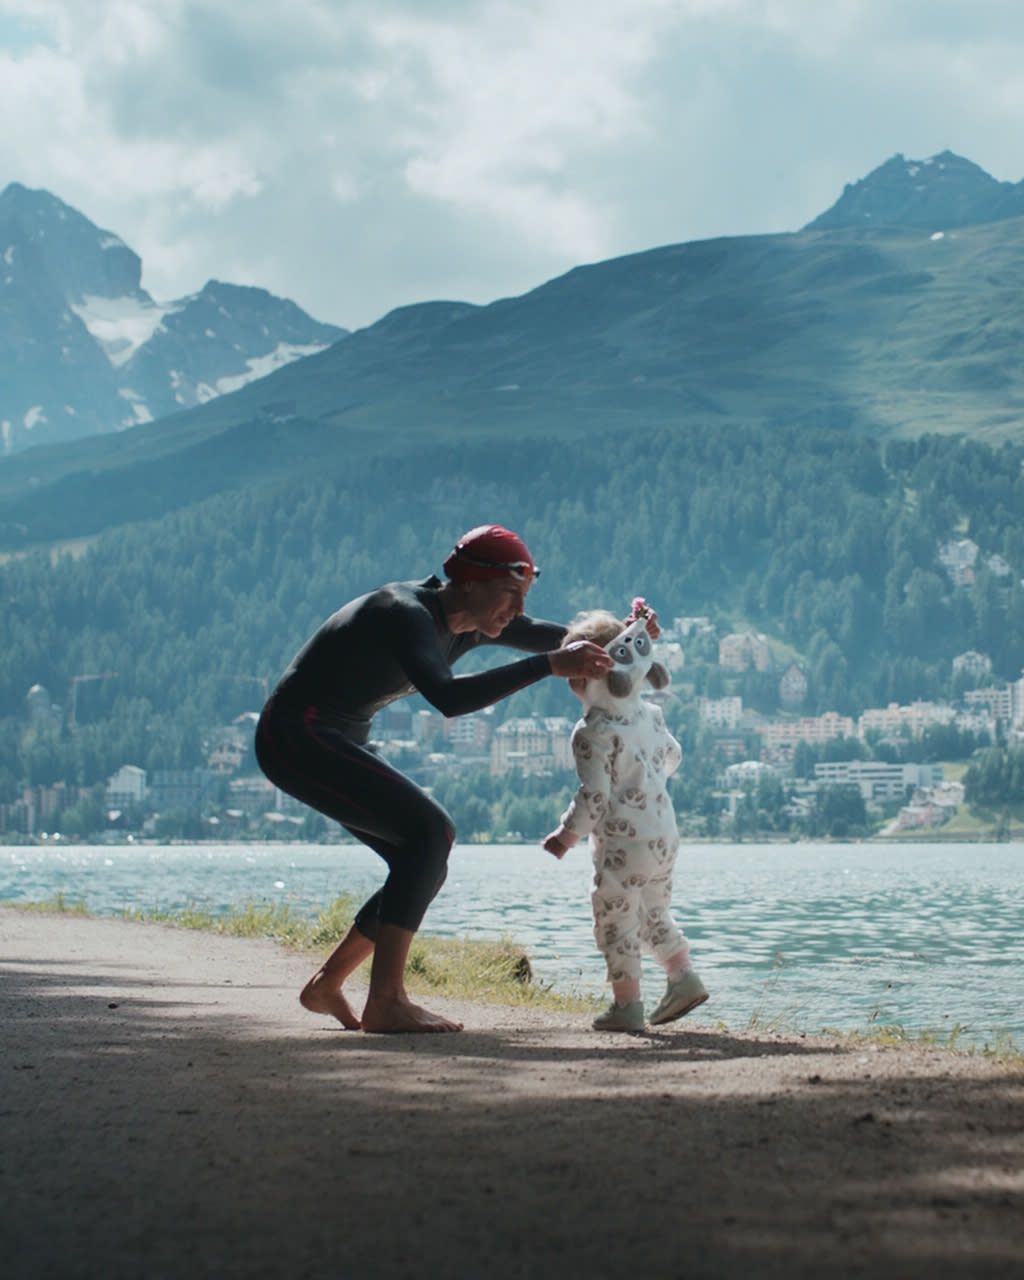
(599, 626)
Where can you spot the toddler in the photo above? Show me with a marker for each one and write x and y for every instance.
(624, 753)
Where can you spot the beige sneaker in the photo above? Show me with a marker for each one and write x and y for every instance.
(680, 997)
(621, 1017)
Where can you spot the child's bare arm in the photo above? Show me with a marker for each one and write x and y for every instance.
(560, 841)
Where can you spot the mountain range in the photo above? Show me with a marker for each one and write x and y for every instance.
(85, 349)
(780, 433)
(897, 312)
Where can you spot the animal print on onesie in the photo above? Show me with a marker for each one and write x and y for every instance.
(624, 754)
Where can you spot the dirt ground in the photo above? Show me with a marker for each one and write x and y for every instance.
(169, 1110)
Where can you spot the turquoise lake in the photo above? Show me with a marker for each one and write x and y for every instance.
(795, 936)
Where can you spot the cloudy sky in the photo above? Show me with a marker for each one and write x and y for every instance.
(357, 155)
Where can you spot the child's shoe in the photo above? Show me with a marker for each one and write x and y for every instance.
(680, 997)
(621, 1017)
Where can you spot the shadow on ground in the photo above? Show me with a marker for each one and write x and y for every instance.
(192, 1130)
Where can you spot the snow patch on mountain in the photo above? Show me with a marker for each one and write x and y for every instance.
(259, 366)
(122, 325)
(140, 410)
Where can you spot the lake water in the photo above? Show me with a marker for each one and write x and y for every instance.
(799, 936)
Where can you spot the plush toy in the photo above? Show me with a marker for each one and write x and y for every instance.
(634, 658)
(633, 653)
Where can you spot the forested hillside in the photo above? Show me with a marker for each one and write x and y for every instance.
(825, 541)
(885, 332)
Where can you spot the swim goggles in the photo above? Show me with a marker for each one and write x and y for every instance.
(521, 570)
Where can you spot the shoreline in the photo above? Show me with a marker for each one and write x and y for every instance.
(929, 836)
(170, 1107)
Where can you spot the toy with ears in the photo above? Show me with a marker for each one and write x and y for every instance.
(633, 654)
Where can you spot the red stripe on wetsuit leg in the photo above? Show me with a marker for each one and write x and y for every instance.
(312, 782)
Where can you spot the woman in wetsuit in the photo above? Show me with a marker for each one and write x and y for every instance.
(312, 738)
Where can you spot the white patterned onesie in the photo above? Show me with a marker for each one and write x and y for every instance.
(623, 758)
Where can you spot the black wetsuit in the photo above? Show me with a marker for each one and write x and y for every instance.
(311, 738)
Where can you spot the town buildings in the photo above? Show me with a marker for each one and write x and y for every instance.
(426, 744)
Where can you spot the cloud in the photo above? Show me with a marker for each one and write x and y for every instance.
(357, 157)
(505, 110)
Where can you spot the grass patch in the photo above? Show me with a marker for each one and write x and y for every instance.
(279, 921)
(60, 904)
(954, 770)
(500, 972)
(1001, 1049)
(461, 968)
(787, 1021)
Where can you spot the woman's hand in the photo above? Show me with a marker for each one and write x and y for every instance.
(580, 660)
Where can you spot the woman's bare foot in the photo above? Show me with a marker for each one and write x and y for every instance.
(319, 996)
(401, 1015)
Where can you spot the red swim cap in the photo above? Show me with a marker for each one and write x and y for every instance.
(490, 551)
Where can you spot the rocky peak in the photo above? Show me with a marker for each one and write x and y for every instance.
(42, 237)
(943, 191)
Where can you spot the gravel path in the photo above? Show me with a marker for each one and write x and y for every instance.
(169, 1110)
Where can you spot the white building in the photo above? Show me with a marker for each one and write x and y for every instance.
(469, 735)
(999, 702)
(876, 780)
(127, 788)
(913, 719)
(532, 744)
(746, 774)
(41, 709)
(257, 794)
(741, 650)
(779, 737)
(958, 559)
(972, 663)
(721, 713)
(695, 626)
